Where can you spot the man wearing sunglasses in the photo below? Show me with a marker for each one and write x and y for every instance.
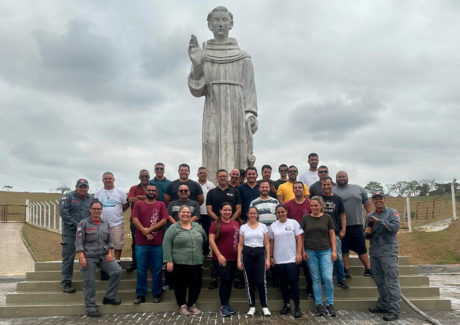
(316, 188)
(136, 193)
(160, 181)
(184, 199)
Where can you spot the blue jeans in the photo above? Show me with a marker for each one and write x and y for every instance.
(338, 264)
(320, 265)
(149, 257)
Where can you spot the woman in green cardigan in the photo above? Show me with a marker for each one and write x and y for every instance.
(183, 254)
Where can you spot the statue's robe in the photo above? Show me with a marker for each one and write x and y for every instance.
(229, 87)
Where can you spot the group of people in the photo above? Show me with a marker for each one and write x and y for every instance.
(254, 228)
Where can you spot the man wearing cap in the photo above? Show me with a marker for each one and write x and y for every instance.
(73, 207)
(381, 229)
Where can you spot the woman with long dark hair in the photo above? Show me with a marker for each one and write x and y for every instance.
(254, 259)
(320, 253)
(223, 239)
(286, 255)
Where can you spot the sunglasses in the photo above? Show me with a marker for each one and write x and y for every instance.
(159, 168)
(183, 191)
(323, 172)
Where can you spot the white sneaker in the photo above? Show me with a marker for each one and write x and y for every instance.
(266, 312)
(251, 311)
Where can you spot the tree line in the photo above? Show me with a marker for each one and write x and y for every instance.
(412, 188)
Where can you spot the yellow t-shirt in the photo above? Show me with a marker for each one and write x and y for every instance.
(288, 193)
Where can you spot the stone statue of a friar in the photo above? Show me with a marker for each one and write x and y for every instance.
(224, 74)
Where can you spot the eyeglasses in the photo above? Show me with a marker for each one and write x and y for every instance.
(159, 168)
(323, 172)
(144, 176)
(183, 191)
(283, 170)
(292, 171)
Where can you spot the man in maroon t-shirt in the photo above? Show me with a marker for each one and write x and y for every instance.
(149, 217)
(299, 206)
(136, 193)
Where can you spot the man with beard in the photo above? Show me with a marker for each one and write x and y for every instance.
(184, 199)
(136, 193)
(73, 207)
(149, 217)
(353, 197)
(266, 176)
(333, 206)
(310, 176)
(172, 193)
(265, 204)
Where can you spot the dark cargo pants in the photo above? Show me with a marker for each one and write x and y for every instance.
(386, 276)
(68, 256)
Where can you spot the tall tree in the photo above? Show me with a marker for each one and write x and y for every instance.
(63, 189)
(373, 186)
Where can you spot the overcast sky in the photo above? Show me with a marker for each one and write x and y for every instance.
(87, 86)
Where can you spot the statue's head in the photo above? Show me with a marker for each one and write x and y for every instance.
(220, 21)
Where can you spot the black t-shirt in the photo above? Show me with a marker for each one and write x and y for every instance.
(194, 188)
(216, 197)
(315, 189)
(333, 206)
(316, 232)
(278, 183)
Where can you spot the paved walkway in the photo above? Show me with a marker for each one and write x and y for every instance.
(15, 259)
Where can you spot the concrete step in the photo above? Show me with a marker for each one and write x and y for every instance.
(357, 281)
(207, 305)
(55, 297)
(56, 275)
(56, 265)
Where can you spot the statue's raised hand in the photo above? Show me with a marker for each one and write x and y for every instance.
(195, 53)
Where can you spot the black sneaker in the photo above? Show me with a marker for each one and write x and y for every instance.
(108, 301)
(297, 312)
(331, 311)
(94, 313)
(157, 298)
(319, 310)
(347, 273)
(212, 285)
(390, 317)
(368, 272)
(131, 267)
(342, 285)
(285, 310)
(68, 288)
(139, 300)
(377, 310)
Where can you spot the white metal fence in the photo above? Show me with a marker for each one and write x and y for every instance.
(44, 214)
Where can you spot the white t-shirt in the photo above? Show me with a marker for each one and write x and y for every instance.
(206, 188)
(253, 237)
(284, 234)
(309, 178)
(112, 205)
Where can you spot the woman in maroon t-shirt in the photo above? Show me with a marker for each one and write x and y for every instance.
(223, 239)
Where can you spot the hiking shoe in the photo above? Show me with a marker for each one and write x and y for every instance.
(285, 310)
(224, 312)
(139, 300)
(68, 288)
(194, 310)
(108, 301)
(156, 298)
(377, 310)
(390, 317)
(343, 285)
(251, 311)
(183, 310)
(213, 284)
(331, 310)
(368, 272)
(266, 311)
(94, 313)
(319, 310)
(347, 273)
(297, 312)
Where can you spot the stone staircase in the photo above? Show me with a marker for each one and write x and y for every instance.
(41, 293)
